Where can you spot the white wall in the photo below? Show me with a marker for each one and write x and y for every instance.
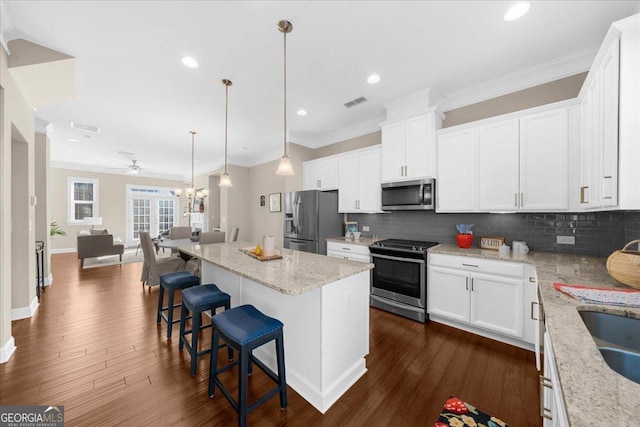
(16, 119)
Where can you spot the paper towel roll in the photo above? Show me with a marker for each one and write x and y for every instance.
(268, 245)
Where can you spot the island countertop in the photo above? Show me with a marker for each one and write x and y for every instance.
(591, 389)
(297, 272)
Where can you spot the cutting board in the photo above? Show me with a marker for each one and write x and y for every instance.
(251, 252)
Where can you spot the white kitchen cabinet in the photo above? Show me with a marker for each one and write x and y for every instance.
(599, 156)
(359, 181)
(486, 294)
(544, 160)
(456, 185)
(552, 407)
(321, 174)
(518, 164)
(348, 251)
(498, 166)
(409, 148)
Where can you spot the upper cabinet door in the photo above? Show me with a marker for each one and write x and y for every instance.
(420, 147)
(608, 165)
(321, 174)
(498, 166)
(311, 171)
(369, 194)
(329, 174)
(544, 155)
(348, 177)
(393, 151)
(457, 181)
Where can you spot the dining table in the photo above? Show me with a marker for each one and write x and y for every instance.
(174, 243)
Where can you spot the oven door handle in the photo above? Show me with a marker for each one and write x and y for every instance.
(395, 258)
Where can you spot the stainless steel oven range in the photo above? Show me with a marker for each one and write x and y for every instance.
(399, 279)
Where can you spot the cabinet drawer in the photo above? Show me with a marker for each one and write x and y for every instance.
(348, 248)
(471, 264)
(349, 256)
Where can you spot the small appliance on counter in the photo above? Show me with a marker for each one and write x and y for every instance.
(399, 279)
(310, 217)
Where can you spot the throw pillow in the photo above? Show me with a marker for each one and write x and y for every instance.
(94, 231)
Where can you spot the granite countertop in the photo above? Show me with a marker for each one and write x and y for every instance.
(297, 272)
(362, 241)
(593, 392)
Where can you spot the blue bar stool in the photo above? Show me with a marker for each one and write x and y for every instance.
(197, 300)
(173, 282)
(244, 329)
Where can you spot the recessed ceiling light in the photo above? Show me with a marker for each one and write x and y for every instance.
(188, 61)
(302, 112)
(516, 11)
(35, 109)
(373, 79)
(71, 140)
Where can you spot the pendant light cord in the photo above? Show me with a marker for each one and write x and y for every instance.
(285, 93)
(226, 121)
(193, 136)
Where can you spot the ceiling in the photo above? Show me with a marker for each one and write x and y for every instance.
(130, 81)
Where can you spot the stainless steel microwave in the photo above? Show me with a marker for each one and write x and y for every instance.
(409, 195)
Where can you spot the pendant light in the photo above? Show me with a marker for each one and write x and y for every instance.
(191, 190)
(285, 167)
(225, 179)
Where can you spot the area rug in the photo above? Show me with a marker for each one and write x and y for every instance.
(128, 257)
(457, 413)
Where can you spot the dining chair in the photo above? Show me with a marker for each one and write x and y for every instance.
(194, 265)
(180, 233)
(152, 267)
(212, 237)
(234, 234)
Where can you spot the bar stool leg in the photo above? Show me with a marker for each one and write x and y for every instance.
(160, 301)
(170, 314)
(281, 375)
(183, 327)
(195, 331)
(243, 381)
(213, 364)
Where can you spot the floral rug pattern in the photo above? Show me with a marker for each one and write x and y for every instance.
(457, 413)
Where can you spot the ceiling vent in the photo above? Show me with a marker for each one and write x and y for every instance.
(85, 127)
(355, 102)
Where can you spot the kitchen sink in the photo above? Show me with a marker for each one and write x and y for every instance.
(626, 363)
(618, 330)
(618, 339)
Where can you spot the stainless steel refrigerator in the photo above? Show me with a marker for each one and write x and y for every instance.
(310, 217)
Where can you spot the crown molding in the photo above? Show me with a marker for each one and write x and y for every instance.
(558, 68)
(6, 27)
(362, 128)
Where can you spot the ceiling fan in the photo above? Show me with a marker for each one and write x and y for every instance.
(133, 168)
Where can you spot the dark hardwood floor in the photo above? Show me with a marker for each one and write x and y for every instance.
(94, 347)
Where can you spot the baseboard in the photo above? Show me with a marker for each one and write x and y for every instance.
(7, 350)
(48, 281)
(63, 250)
(25, 312)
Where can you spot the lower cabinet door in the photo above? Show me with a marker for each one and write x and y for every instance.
(448, 294)
(497, 304)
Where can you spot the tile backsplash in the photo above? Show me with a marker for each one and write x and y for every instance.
(596, 233)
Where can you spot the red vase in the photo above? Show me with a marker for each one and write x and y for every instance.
(464, 240)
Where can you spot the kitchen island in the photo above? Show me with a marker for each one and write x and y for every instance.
(322, 301)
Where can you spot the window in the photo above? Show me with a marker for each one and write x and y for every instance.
(152, 209)
(83, 199)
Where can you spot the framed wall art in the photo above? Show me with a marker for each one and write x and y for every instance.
(274, 202)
